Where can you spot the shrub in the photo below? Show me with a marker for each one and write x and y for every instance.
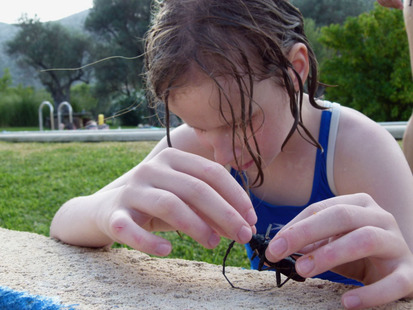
(19, 105)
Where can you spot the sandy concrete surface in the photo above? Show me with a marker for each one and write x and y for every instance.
(125, 279)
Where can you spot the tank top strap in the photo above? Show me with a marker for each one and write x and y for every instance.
(334, 108)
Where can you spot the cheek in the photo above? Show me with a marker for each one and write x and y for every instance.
(269, 142)
(202, 139)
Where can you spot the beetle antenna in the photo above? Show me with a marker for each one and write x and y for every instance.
(230, 283)
(224, 261)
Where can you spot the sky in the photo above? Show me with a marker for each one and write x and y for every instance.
(46, 10)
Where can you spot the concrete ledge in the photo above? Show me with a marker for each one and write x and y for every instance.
(122, 279)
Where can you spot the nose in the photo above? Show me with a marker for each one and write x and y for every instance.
(222, 144)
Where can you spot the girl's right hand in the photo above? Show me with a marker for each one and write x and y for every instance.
(174, 190)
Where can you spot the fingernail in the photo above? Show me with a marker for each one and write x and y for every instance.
(305, 265)
(251, 217)
(245, 234)
(277, 247)
(163, 249)
(214, 240)
(351, 301)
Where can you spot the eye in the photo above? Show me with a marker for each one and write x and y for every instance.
(238, 125)
(199, 131)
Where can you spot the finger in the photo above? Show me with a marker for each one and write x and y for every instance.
(124, 230)
(210, 205)
(359, 199)
(164, 205)
(213, 209)
(313, 246)
(327, 223)
(395, 286)
(219, 179)
(364, 242)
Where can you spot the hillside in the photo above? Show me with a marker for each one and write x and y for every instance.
(26, 76)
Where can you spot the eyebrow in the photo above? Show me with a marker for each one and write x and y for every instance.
(235, 123)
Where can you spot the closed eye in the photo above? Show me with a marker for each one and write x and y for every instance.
(199, 130)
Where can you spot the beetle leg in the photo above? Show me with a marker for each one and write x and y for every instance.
(261, 264)
(285, 281)
(255, 254)
(278, 277)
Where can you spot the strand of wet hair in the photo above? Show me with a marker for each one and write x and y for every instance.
(92, 63)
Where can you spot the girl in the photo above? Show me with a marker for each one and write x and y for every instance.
(335, 182)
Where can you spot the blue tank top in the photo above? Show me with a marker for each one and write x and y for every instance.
(278, 216)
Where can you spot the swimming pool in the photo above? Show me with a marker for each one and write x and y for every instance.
(144, 134)
(84, 135)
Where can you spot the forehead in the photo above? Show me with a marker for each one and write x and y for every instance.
(203, 103)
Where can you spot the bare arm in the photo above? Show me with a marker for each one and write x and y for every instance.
(408, 143)
(372, 162)
(172, 189)
(408, 135)
(365, 232)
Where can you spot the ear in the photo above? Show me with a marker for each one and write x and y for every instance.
(298, 56)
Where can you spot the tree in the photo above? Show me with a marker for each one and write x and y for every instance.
(44, 46)
(371, 65)
(120, 27)
(326, 12)
(5, 81)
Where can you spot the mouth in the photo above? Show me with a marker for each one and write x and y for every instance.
(245, 167)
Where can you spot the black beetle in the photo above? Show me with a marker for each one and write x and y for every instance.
(259, 244)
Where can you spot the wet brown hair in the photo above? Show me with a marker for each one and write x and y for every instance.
(245, 40)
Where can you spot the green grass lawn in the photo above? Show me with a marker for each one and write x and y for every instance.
(19, 129)
(13, 129)
(36, 178)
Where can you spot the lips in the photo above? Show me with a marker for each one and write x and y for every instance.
(245, 166)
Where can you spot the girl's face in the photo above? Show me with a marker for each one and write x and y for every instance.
(198, 106)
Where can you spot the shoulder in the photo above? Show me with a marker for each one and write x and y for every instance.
(356, 129)
(352, 121)
(367, 156)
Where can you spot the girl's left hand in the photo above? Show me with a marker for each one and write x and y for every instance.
(353, 236)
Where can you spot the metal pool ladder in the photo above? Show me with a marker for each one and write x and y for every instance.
(41, 116)
(59, 113)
